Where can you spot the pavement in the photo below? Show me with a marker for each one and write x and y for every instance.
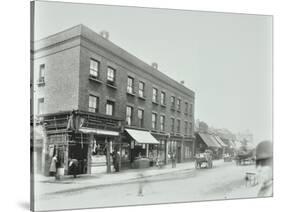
(49, 185)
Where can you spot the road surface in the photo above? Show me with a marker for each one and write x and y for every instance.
(224, 181)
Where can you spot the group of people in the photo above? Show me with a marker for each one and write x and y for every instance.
(73, 166)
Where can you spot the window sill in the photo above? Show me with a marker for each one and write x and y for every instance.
(142, 98)
(163, 105)
(179, 111)
(173, 109)
(111, 86)
(132, 94)
(95, 79)
(156, 103)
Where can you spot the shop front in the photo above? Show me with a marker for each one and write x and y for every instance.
(143, 147)
(101, 145)
(174, 149)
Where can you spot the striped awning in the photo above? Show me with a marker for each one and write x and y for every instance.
(220, 141)
(142, 137)
(208, 140)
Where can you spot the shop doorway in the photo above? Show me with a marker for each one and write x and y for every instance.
(80, 152)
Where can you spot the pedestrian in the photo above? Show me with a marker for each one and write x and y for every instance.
(264, 162)
(117, 161)
(73, 167)
(173, 160)
(53, 166)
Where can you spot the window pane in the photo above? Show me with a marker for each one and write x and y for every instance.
(110, 74)
(109, 108)
(93, 104)
(141, 89)
(130, 83)
(154, 94)
(129, 112)
(94, 68)
(163, 98)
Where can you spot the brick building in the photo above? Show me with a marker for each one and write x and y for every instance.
(92, 97)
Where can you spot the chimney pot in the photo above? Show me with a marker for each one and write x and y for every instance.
(105, 34)
(154, 65)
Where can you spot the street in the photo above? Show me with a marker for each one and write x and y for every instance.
(223, 181)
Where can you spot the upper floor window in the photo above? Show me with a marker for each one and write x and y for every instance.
(163, 98)
(172, 125)
(185, 127)
(190, 109)
(141, 89)
(154, 120)
(93, 104)
(129, 115)
(178, 104)
(42, 73)
(173, 101)
(111, 75)
(162, 123)
(154, 95)
(141, 117)
(109, 108)
(186, 108)
(94, 68)
(40, 108)
(130, 85)
(190, 128)
(178, 126)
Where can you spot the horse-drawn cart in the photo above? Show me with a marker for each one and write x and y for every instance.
(204, 159)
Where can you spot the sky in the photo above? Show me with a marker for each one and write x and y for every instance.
(225, 58)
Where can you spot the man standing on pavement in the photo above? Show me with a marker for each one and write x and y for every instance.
(73, 166)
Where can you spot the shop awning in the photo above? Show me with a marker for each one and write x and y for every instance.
(98, 131)
(220, 141)
(142, 137)
(208, 140)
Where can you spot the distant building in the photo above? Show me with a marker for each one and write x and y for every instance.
(94, 97)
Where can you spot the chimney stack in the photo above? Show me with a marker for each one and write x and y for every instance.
(154, 65)
(182, 82)
(105, 34)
